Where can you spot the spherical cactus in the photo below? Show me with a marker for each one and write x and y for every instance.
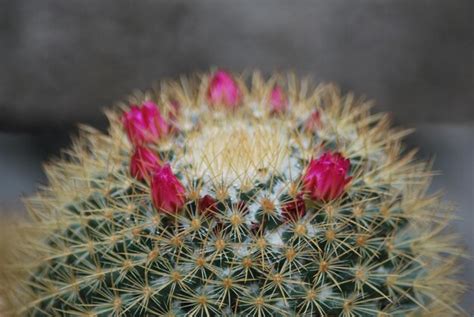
(220, 195)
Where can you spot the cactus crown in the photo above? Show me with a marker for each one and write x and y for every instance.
(263, 229)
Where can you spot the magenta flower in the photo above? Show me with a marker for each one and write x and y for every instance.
(173, 114)
(278, 100)
(144, 124)
(326, 177)
(143, 163)
(207, 205)
(223, 90)
(294, 209)
(314, 121)
(167, 192)
(174, 111)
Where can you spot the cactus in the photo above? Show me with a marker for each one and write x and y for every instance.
(236, 196)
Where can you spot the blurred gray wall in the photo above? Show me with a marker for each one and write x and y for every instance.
(63, 60)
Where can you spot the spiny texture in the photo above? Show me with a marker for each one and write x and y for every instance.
(236, 200)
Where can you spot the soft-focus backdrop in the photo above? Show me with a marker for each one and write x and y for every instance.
(62, 61)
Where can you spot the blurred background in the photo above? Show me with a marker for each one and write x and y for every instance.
(61, 62)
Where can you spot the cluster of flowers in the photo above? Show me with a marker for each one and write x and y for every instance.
(324, 179)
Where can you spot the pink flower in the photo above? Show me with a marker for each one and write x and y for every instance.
(167, 192)
(207, 205)
(326, 177)
(223, 90)
(143, 163)
(314, 121)
(144, 124)
(278, 100)
(294, 209)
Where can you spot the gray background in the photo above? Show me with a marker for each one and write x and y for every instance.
(62, 61)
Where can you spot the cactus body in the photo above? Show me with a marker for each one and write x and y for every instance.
(249, 237)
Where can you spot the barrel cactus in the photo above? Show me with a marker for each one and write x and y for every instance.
(235, 195)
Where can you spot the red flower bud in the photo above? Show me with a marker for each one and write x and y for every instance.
(207, 205)
(174, 111)
(255, 227)
(278, 100)
(294, 209)
(223, 90)
(143, 163)
(167, 192)
(314, 121)
(326, 177)
(144, 124)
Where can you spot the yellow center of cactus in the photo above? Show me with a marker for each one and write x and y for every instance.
(360, 241)
(202, 300)
(176, 241)
(360, 275)
(176, 276)
(311, 295)
(247, 262)
(153, 254)
(261, 243)
(236, 219)
(259, 301)
(237, 152)
(278, 278)
(323, 266)
(227, 283)
(268, 206)
(358, 211)
(300, 230)
(220, 244)
(330, 235)
(147, 291)
(290, 254)
(196, 224)
(117, 303)
(200, 261)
